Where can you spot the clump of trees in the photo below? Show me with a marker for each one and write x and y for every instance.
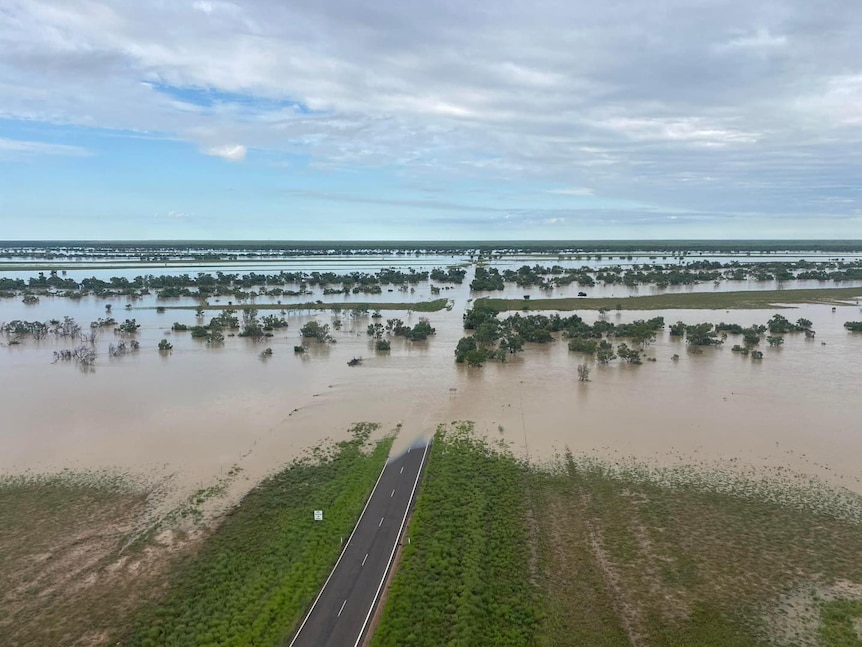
(84, 355)
(103, 323)
(853, 326)
(487, 278)
(605, 353)
(780, 324)
(128, 327)
(703, 334)
(491, 339)
(751, 335)
(318, 331)
(165, 346)
(583, 345)
(251, 326)
(17, 330)
(122, 348)
(397, 328)
(495, 339)
(630, 355)
(707, 334)
(449, 275)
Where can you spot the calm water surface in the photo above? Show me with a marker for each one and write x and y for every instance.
(194, 413)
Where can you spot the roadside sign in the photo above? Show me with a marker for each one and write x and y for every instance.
(318, 515)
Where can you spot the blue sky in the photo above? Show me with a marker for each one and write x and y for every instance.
(383, 120)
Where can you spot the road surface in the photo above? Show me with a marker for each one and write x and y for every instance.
(340, 615)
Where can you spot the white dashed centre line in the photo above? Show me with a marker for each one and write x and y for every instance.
(341, 609)
(391, 495)
(402, 471)
(363, 559)
(381, 522)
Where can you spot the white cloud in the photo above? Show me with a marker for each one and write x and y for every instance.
(580, 191)
(839, 101)
(22, 147)
(690, 129)
(627, 98)
(232, 152)
(760, 40)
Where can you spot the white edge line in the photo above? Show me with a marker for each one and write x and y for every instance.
(343, 550)
(394, 548)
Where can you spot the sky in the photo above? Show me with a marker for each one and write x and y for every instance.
(436, 120)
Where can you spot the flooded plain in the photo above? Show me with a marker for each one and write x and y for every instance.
(189, 416)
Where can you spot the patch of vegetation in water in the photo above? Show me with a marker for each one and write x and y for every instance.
(253, 579)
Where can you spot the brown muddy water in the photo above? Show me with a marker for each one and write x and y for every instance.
(190, 415)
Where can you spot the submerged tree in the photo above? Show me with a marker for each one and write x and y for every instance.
(316, 330)
(583, 373)
(630, 355)
(605, 353)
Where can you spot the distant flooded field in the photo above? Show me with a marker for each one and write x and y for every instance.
(192, 414)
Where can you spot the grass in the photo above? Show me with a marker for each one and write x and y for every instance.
(417, 306)
(59, 537)
(464, 578)
(81, 565)
(840, 628)
(252, 581)
(742, 300)
(578, 552)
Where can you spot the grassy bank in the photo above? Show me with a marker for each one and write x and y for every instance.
(465, 577)
(416, 306)
(73, 573)
(743, 300)
(60, 537)
(252, 581)
(577, 553)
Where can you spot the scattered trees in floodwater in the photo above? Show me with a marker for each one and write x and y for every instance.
(494, 339)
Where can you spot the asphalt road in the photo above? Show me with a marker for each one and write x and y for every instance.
(340, 615)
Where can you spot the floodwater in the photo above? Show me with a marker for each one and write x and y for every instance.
(192, 414)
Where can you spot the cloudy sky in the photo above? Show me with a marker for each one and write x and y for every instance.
(442, 119)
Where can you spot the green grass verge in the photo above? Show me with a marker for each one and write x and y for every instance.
(464, 579)
(580, 552)
(417, 306)
(252, 581)
(743, 300)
